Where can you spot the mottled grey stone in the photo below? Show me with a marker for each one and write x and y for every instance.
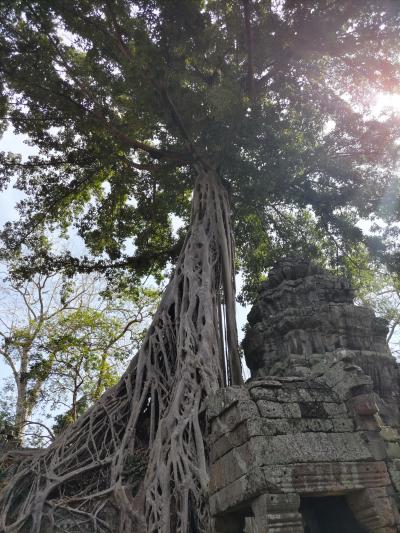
(270, 409)
(222, 399)
(305, 316)
(343, 424)
(319, 416)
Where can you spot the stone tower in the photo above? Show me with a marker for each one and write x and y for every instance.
(310, 443)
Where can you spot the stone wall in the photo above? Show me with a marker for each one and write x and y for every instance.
(303, 315)
(318, 418)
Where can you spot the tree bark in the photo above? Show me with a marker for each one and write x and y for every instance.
(85, 477)
(21, 410)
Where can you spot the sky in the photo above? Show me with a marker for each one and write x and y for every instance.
(11, 143)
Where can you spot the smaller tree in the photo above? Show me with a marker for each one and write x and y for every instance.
(281, 232)
(65, 343)
(91, 348)
(378, 288)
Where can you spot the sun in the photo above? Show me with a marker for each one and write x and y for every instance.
(386, 103)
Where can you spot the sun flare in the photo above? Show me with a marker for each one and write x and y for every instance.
(386, 103)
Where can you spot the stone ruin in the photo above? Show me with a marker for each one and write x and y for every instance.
(310, 443)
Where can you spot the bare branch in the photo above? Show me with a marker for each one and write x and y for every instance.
(10, 362)
(392, 329)
(31, 422)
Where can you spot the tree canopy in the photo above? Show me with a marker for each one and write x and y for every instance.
(122, 98)
(259, 115)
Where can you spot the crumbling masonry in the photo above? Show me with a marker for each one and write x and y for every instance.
(310, 443)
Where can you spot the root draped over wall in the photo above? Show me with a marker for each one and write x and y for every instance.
(90, 478)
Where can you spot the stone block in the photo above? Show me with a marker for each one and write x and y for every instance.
(222, 399)
(252, 427)
(373, 508)
(287, 395)
(275, 503)
(375, 444)
(330, 478)
(292, 410)
(277, 513)
(393, 450)
(263, 393)
(395, 463)
(228, 441)
(313, 409)
(305, 425)
(304, 447)
(232, 417)
(363, 404)
(322, 393)
(260, 426)
(242, 489)
(346, 382)
(343, 424)
(229, 468)
(282, 425)
(335, 409)
(390, 434)
(394, 471)
(270, 409)
(305, 395)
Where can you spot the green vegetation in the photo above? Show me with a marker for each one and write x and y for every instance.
(65, 343)
(121, 99)
(260, 115)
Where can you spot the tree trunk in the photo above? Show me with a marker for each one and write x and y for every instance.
(21, 410)
(89, 477)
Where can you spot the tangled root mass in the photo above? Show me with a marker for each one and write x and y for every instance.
(137, 461)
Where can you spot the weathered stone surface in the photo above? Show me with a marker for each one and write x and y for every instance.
(232, 417)
(270, 409)
(343, 424)
(374, 509)
(276, 513)
(394, 471)
(364, 404)
(288, 449)
(329, 478)
(390, 434)
(248, 486)
(393, 450)
(222, 399)
(319, 417)
(334, 409)
(303, 316)
(278, 410)
(253, 427)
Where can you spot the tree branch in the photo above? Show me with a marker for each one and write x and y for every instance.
(10, 362)
(392, 330)
(30, 422)
(250, 48)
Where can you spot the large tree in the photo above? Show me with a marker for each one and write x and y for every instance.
(260, 108)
